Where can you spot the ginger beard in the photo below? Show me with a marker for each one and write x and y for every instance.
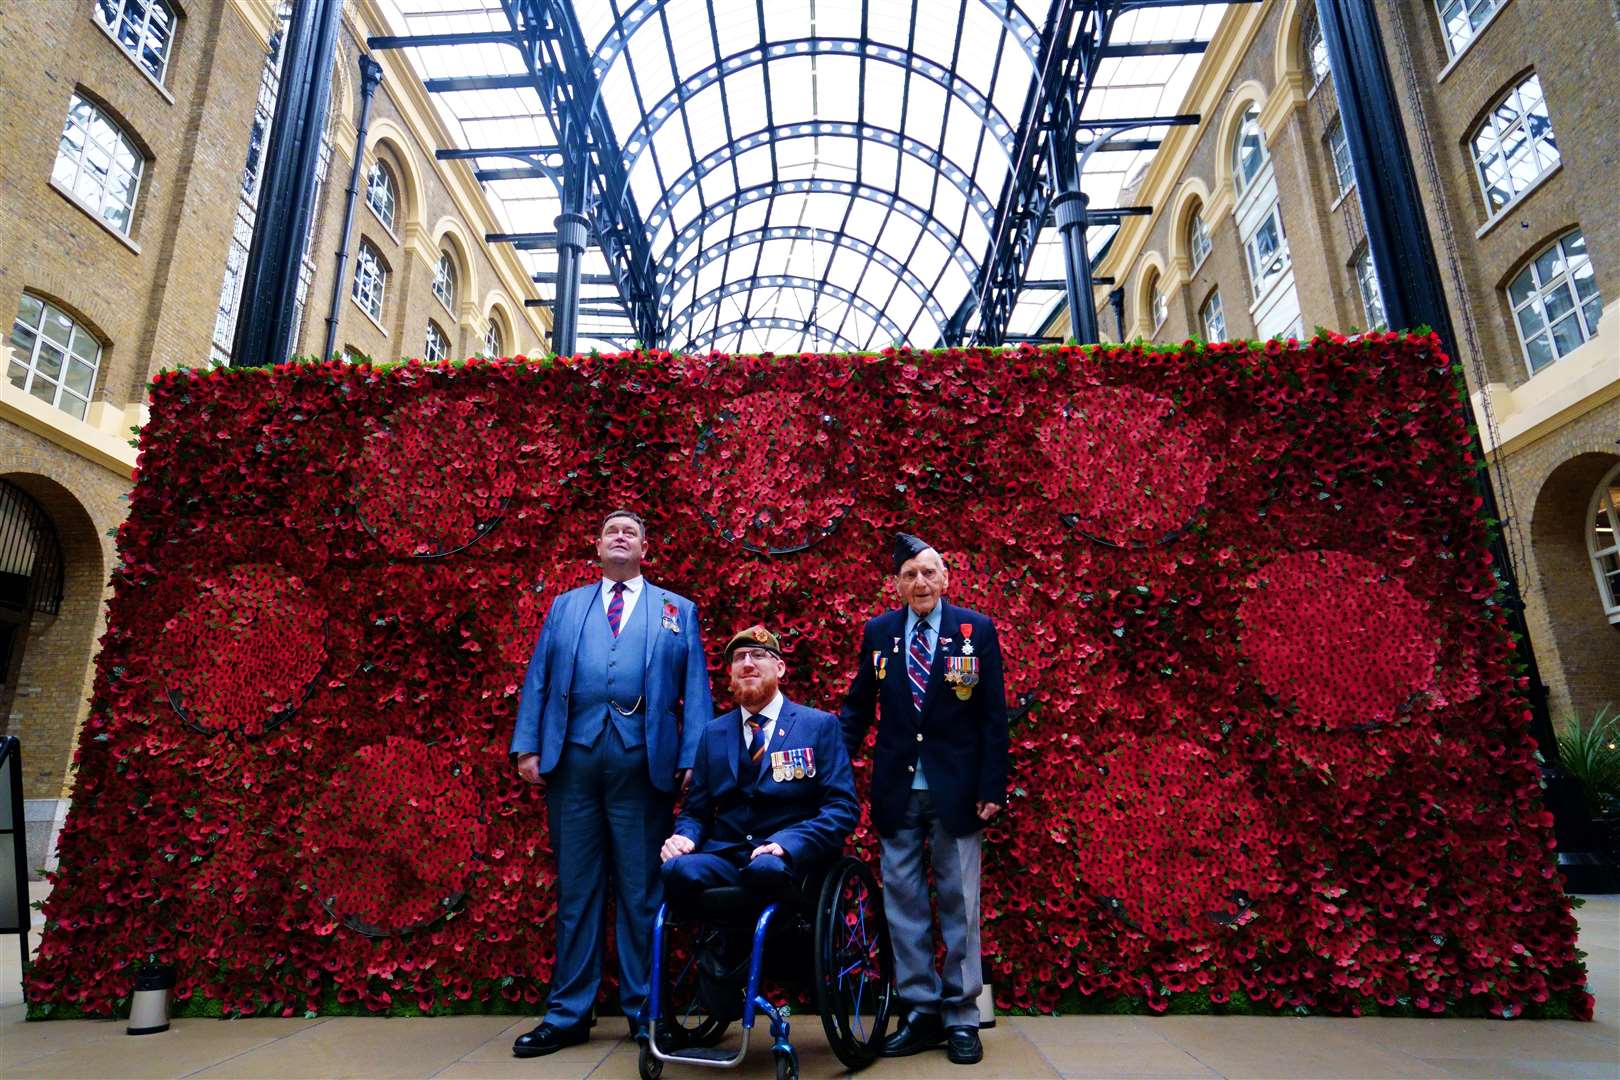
(755, 675)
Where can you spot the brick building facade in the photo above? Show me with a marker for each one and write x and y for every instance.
(127, 183)
(1508, 110)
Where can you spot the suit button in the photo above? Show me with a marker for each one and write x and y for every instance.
(911, 768)
(919, 736)
(749, 838)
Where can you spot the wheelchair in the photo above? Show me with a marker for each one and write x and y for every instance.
(851, 971)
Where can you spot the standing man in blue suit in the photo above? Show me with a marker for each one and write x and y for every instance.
(613, 704)
(939, 774)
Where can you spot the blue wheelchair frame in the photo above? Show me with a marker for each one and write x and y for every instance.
(753, 1002)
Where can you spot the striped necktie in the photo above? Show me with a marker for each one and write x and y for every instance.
(754, 744)
(616, 607)
(918, 664)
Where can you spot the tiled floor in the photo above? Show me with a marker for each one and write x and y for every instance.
(1080, 1046)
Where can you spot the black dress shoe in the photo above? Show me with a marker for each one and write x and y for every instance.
(917, 1032)
(549, 1038)
(962, 1045)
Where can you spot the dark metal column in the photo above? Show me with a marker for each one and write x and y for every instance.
(1409, 279)
(1069, 210)
(573, 232)
(370, 78)
(270, 278)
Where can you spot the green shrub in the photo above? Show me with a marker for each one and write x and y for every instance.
(1590, 752)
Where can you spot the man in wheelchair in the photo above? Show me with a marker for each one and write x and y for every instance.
(772, 800)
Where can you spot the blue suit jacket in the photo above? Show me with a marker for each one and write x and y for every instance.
(962, 744)
(677, 682)
(810, 818)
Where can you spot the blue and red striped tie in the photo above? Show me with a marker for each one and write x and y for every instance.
(918, 664)
(616, 607)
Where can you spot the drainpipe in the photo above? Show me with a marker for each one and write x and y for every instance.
(370, 77)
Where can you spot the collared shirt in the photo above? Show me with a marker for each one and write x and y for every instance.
(632, 593)
(931, 620)
(772, 710)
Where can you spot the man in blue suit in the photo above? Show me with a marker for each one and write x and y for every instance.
(772, 792)
(613, 704)
(939, 774)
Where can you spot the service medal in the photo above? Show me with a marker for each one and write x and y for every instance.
(798, 772)
(880, 663)
(964, 692)
(809, 762)
(967, 639)
(778, 775)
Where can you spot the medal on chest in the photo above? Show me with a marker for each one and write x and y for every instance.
(880, 663)
(962, 673)
(967, 639)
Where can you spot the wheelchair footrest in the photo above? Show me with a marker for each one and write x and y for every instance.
(703, 1053)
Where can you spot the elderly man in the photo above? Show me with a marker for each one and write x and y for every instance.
(614, 701)
(939, 774)
(772, 793)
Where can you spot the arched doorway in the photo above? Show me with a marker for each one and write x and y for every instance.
(1566, 539)
(52, 579)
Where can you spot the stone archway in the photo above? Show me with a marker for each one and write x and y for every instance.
(53, 643)
(1586, 642)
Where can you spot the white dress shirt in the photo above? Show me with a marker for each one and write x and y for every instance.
(772, 709)
(632, 593)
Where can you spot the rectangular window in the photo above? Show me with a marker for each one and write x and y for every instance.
(1213, 316)
(1372, 297)
(1268, 252)
(1460, 20)
(1340, 149)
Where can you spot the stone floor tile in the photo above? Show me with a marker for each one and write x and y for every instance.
(1524, 1069)
(1122, 1059)
(604, 1038)
(1046, 1030)
(366, 1047)
(184, 1049)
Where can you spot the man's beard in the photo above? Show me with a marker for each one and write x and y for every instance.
(752, 698)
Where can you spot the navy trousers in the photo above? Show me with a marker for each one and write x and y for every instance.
(686, 876)
(604, 813)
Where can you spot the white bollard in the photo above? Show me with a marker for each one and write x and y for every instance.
(149, 1008)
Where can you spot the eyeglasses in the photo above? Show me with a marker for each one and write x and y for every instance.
(758, 656)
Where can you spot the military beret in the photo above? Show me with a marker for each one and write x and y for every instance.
(907, 547)
(757, 637)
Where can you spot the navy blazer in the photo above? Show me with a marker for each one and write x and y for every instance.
(962, 744)
(677, 681)
(810, 818)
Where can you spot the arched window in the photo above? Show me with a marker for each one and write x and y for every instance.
(444, 281)
(98, 164)
(1267, 249)
(1372, 296)
(1315, 49)
(1514, 145)
(438, 346)
(1249, 152)
(1213, 318)
(52, 357)
(1198, 242)
(493, 346)
(1157, 302)
(1603, 541)
(382, 193)
(145, 28)
(1555, 301)
(1460, 20)
(370, 280)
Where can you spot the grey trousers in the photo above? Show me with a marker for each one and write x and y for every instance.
(955, 860)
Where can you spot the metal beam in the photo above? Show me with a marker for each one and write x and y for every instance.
(517, 172)
(770, 322)
(455, 84)
(1152, 48)
(457, 153)
(419, 41)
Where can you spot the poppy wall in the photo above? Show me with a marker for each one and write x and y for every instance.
(1268, 748)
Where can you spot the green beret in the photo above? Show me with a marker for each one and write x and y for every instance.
(757, 637)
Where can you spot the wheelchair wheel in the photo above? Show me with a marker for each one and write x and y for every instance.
(854, 967)
(787, 1066)
(683, 1023)
(648, 1066)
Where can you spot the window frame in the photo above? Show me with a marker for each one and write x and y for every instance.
(1313, 46)
(1250, 118)
(493, 330)
(30, 364)
(136, 53)
(1533, 144)
(445, 279)
(435, 337)
(1199, 241)
(1344, 170)
(1212, 302)
(1605, 504)
(1565, 279)
(1366, 275)
(1261, 287)
(368, 253)
(98, 206)
(379, 167)
(1479, 13)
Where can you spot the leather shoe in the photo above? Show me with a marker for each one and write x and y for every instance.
(549, 1038)
(917, 1032)
(962, 1045)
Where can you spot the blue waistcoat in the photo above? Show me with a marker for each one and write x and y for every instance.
(609, 669)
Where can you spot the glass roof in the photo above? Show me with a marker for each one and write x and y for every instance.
(804, 174)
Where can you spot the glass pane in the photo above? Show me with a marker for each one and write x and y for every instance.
(22, 339)
(80, 376)
(1558, 302)
(43, 388)
(73, 406)
(1567, 336)
(1574, 245)
(1538, 351)
(83, 344)
(49, 359)
(1593, 310)
(58, 327)
(1530, 321)
(1521, 288)
(1549, 264)
(30, 309)
(18, 374)
(1581, 273)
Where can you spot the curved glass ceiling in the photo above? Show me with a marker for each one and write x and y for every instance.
(800, 174)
